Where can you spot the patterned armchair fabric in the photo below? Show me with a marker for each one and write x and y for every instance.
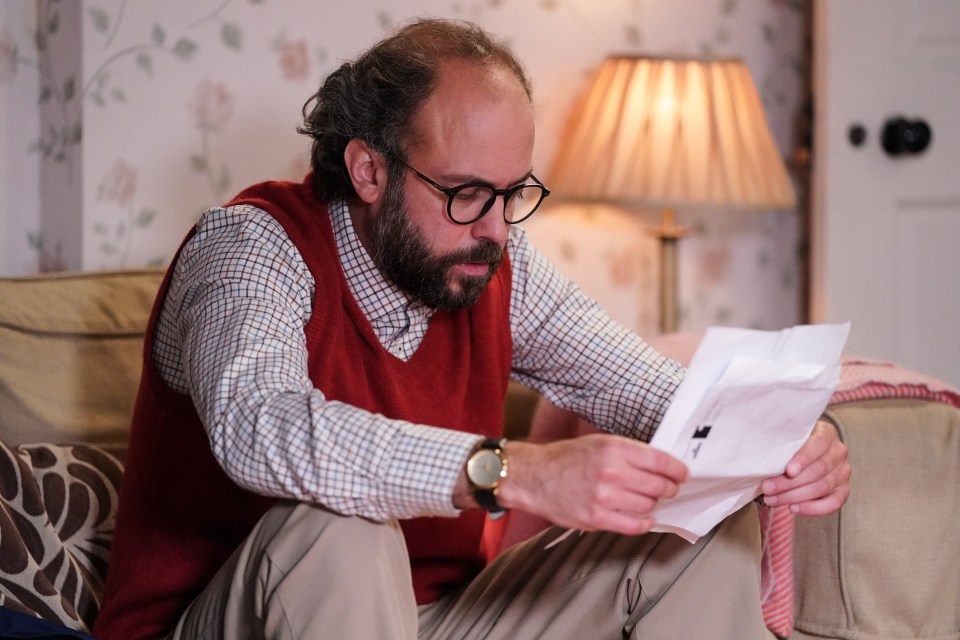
(57, 510)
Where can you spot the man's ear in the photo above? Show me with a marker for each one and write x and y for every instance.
(367, 170)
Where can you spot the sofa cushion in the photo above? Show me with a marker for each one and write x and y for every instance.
(70, 354)
(57, 511)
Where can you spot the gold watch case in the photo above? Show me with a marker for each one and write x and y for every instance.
(486, 468)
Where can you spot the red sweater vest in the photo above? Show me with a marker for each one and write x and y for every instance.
(180, 516)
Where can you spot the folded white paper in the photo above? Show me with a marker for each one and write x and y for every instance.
(748, 402)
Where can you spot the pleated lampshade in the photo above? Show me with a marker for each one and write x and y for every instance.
(685, 134)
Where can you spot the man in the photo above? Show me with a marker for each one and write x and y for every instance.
(316, 441)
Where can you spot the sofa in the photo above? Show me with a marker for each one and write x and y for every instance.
(887, 566)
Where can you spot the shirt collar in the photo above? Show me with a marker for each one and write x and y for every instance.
(378, 298)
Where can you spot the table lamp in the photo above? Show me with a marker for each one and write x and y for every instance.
(671, 134)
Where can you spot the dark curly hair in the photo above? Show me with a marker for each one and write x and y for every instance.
(375, 96)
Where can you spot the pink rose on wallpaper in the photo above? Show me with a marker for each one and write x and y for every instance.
(623, 265)
(294, 62)
(119, 184)
(8, 57)
(713, 266)
(212, 105)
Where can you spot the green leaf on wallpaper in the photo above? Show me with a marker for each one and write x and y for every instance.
(53, 24)
(39, 40)
(99, 228)
(224, 182)
(101, 79)
(45, 94)
(787, 278)
(118, 94)
(35, 240)
(723, 35)
(100, 18)
(77, 134)
(256, 1)
(198, 163)
(797, 66)
(158, 35)
(232, 36)
(769, 33)
(145, 62)
(69, 88)
(184, 49)
(633, 35)
(108, 248)
(385, 20)
(728, 7)
(145, 217)
(99, 83)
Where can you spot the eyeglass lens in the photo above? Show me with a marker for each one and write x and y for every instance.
(472, 202)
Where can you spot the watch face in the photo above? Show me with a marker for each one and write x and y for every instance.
(484, 468)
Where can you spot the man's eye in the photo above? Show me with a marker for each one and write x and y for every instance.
(472, 194)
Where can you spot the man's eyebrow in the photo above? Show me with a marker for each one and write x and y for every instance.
(456, 179)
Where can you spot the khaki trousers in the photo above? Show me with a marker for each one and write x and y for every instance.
(306, 573)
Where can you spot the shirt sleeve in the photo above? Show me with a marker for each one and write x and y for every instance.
(569, 349)
(231, 335)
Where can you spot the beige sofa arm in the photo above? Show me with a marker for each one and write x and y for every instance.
(886, 565)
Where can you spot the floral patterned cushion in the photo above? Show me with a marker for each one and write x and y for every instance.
(57, 510)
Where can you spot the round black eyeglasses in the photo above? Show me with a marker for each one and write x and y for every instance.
(467, 203)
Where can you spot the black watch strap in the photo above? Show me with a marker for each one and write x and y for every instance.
(487, 498)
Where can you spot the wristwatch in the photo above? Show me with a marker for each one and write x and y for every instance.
(486, 470)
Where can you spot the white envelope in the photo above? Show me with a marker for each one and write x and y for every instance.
(748, 402)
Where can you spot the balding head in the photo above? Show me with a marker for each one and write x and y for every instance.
(376, 97)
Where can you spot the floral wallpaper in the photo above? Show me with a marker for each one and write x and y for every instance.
(125, 119)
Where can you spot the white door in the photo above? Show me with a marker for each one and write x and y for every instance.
(886, 228)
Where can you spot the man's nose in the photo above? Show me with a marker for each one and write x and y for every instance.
(492, 226)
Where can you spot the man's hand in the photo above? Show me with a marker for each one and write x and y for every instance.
(817, 479)
(594, 482)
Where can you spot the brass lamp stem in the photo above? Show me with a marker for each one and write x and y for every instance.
(669, 232)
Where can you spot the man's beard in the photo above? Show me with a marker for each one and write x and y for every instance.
(402, 255)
